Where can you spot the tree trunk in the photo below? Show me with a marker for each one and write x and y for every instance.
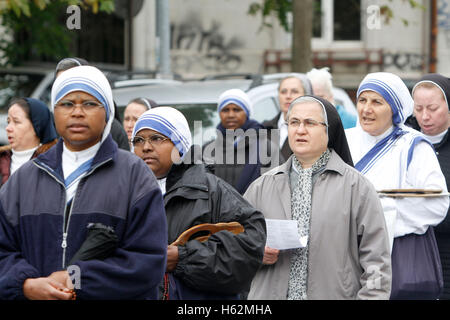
(302, 12)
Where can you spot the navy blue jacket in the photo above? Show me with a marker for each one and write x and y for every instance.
(118, 191)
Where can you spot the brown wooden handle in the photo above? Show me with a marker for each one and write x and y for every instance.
(233, 227)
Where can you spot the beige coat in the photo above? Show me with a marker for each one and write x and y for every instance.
(345, 211)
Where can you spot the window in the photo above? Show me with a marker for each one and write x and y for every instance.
(336, 21)
(347, 17)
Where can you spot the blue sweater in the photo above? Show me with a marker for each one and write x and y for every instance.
(119, 191)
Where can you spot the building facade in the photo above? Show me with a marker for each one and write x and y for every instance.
(211, 37)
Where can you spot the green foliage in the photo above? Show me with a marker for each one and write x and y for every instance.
(38, 28)
(388, 14)
(281, 8)
(25, 6)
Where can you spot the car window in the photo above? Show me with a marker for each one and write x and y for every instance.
(17, 85)
(207, 117)
(265, 109)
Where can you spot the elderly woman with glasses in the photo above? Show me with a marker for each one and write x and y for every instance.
(393, 156)
(347, 253)
(222, 266)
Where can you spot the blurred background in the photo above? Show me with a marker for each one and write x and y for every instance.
(186, 51)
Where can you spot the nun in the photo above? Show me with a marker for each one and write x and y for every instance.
(346, 254)
(393, 156)
(222, 266)
(431, 97)
(134, 109)
(242, 151)
(117, 130)
(83, 180)
(289, 88)
(30, 132)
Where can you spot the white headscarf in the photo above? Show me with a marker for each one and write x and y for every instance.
(90, 80)
(238, 97)
(169, 122)
(393, 90)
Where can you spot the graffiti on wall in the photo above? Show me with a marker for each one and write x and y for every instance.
(194, 47)
(443, 13)
(404, 61)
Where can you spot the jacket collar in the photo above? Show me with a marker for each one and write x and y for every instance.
(190, 173)
(334, 164)
(52, 159)
(273, 123)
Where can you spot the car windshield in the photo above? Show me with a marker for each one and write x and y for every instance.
(202, 120)
(17, 85)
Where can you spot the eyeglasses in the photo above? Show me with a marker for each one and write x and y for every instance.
(86, 106)
(154, 140)
(307, 123)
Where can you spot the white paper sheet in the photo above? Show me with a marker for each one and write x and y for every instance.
(283, 234)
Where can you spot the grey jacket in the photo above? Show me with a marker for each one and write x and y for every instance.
(349, 255)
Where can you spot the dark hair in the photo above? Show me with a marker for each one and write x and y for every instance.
(21, 102)
(148, 103)
(68, 63)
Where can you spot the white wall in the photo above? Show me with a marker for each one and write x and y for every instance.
(443, 42)
(211, 37)
(144, 37)
(404, 46)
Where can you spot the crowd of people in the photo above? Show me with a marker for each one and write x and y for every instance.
(91, 208)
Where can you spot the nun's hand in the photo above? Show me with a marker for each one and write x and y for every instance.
(62, 277)
(45, 289)
(270, 255)
(172, 258)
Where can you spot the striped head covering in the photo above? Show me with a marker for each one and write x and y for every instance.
(169, 122)
(393, 90)
(238, 97)
(89, 80)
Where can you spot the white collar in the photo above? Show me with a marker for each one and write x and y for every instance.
(80, 156)
(71, 160)
(437, 138)
(18, 158)
(24, 153)
(281, 121)
(384, 134)
(162, 184)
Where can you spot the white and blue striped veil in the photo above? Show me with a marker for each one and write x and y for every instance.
(397, 95)
(90, 80)
(169, 122)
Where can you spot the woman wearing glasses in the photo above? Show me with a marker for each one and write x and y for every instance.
(30, 132)
(117, 130)
(223, 266)
(47, 206)
(346, 254)
(134, 109)
(393, 156)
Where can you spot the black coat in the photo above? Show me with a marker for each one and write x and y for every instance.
(241, 163)
(119, 135)
(442, 230)
(225, 263)
(285, 150)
